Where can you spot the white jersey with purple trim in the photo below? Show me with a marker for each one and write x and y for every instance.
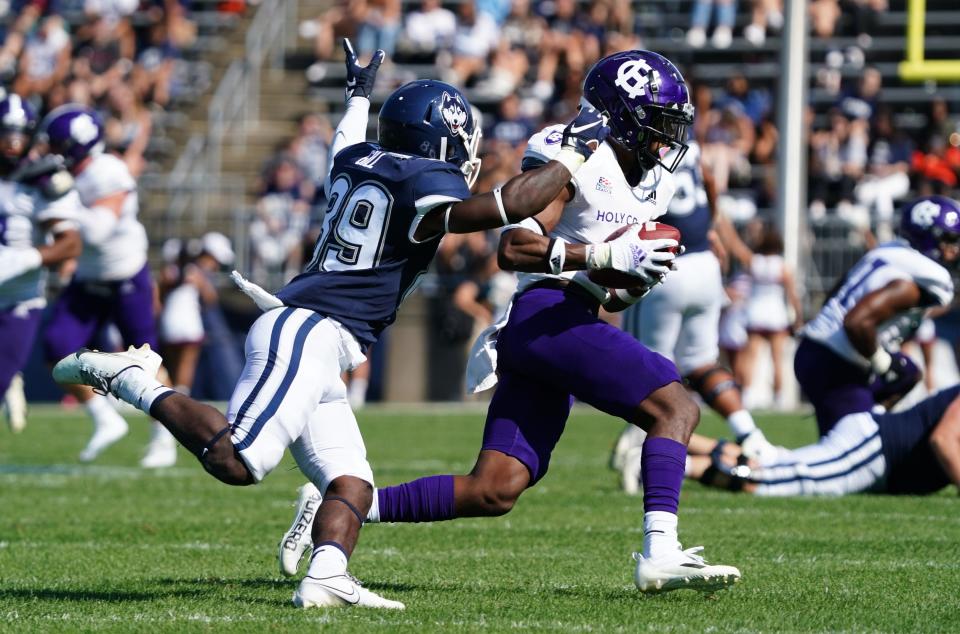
(603, 200)
(23, 212)
(890, 261)
(121, 253)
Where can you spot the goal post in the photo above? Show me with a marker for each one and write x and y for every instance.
(917, 67)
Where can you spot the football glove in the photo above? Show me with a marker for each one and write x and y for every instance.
(901, 377)
(14, 261)
(585, 133)
(630, 254)
(360, 79)
(48, 174)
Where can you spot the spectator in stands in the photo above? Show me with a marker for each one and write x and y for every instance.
(337, 22)
(524, 30)
(754, 103)
(429, 29)
(283, 216)
(570, 39)
(824, 15)
(128, 128)
(866, 15)
(311, 147)
(727, 142)
(475, 38)
(45, 59)
(838, 157)
(726, 15)
(153, 72)
(104, 58)
(941, 124)
(861, 102)
(379, 28)
(887, 178)
(766, 14)
(510, 126)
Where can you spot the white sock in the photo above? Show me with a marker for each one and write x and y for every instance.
(161, 435)
(741, 423)
(659, 534)
(687, 466)
(327, 561)
(102, 412)
(138, 388)
(373, 515)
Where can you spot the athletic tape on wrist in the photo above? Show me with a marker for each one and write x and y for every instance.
(571, 159)
(498, 196)
(556, 256)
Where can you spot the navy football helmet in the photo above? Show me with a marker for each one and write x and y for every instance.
(646, 101)
(72, 131)
(431, 119)
(929, 222)
(18, 122)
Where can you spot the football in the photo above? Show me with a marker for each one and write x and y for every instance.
(611, 278)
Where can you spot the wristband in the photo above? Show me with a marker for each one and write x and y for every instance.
(556, 256)
(503, 212)
(881, 360)
(571, 159)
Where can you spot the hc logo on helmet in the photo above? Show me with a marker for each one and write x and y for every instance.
(454, 113)
(924, 213)
(634, 76)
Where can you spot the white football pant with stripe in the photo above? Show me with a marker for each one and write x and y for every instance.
(290, 395)
(847, 460)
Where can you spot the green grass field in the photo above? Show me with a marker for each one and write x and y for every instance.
(110, 547)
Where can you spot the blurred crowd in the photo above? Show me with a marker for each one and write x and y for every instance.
(122, 57)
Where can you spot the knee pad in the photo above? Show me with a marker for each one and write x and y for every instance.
(713, 393)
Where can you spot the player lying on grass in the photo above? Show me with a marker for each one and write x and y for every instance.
(843, 362)
(390, 202)
(680, 319)
(914, 452)
(553, 348)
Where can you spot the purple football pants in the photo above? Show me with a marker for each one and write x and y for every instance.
(834, 386)
(85, 307)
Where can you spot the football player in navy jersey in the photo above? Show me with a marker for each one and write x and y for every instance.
(913, 452)
(389, 203)
(848, 357)
(680, 319)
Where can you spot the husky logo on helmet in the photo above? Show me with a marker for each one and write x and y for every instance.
(634, 76)
(83, 129)
(454, 113)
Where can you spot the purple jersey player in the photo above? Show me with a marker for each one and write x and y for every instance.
(552, 348)
(112, 283)
(913, 452)
(389, 204)
(848, 359)
(37, 200)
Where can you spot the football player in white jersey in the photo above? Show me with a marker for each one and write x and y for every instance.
(551, 347)
(680, 319)
(38, 230)
(848, 359)
(112, 283)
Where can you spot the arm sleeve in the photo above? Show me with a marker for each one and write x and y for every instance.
(97, 224)
(351, 130)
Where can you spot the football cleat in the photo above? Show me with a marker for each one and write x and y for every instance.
(682, 569)
(339, 591)
(631, 436)
(99, 369)
(631, 479)
(106, 431)
(161, 451)
(16, 403)
(297, 540)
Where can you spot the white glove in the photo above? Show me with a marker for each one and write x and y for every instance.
(15, 261)
(265, 301)
(629, 254)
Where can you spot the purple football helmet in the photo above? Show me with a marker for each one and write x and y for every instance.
(646, 101)
(18, 121)
(929, 222)
(72, 131)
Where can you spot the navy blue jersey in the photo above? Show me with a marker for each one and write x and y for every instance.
(912, 467)
(366, 261)
(689, 210)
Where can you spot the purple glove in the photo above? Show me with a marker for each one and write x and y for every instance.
(896, 382)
